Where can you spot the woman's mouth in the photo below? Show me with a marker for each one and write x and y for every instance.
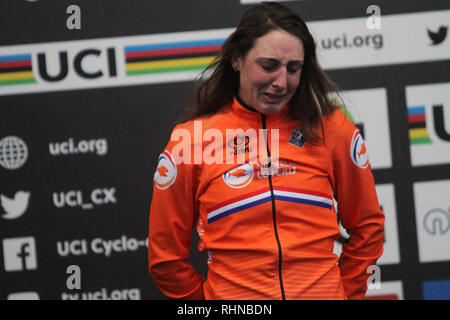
(272, 98)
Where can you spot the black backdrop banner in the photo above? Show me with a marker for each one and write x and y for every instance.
(83, 118)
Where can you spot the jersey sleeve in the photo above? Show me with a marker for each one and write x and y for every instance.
(172, 218)
(358, 207)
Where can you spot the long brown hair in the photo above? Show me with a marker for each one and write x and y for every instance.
(309, 104)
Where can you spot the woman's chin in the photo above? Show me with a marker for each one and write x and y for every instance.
(269, 109)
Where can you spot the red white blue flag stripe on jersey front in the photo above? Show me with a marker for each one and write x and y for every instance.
(255, 198)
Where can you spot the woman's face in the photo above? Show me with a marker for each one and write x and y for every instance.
(270, 72)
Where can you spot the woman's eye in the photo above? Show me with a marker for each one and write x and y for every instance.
(294, 68)
(269, 67)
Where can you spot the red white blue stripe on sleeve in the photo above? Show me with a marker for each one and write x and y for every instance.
(258, 197)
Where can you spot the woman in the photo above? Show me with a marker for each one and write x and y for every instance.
(265, 217)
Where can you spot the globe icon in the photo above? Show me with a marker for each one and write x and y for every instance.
(13, 152)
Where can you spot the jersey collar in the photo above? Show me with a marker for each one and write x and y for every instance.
(245, 112)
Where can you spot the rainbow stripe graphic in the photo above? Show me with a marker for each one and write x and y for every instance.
(171, 57)
(16, 69)
(418, 133)
(261, 196)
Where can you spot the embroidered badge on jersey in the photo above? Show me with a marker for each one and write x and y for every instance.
(358, 151)
(166, 171)
(297, 138)
(239, 177)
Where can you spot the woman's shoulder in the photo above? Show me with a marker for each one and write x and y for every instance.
(338, 126)
(205, 121)
(335, 120)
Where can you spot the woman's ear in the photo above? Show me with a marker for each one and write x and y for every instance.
(235, 63)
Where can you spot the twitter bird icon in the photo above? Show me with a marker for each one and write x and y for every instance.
(437, 37)
(16, 207)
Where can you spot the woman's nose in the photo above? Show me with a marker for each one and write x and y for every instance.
(280, 80)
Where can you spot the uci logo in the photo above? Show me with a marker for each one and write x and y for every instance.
(87, 64)
(418, 125)
(239, 177)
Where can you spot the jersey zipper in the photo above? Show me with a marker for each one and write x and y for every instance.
(274, 216)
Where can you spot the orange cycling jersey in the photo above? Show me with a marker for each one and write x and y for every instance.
(268, 226)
